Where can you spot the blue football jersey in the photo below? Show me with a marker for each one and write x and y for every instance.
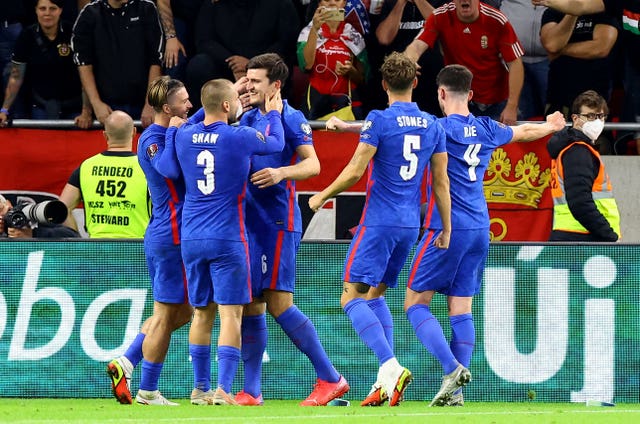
(164, 179)
(470, 142)
(167, 195)
(405, 138)
(215, 164)
(277, 205)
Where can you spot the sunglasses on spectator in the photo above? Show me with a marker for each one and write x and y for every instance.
(592, 116)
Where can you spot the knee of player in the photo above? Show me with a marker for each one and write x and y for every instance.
(278, 302)
(182, 316)
(352, 291)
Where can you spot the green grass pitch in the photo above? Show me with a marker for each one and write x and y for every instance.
(59, 411)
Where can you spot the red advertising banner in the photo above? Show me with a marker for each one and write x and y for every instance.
(516, 183)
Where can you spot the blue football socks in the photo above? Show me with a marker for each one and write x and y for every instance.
(228, 361)
(430, 334)
(463, 338)
(150, 375)
(303, 334)
(381, 309)
(254, 343)
(134, 352)
(369, 328)
(201, 362)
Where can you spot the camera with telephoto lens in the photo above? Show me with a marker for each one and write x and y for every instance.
(27, 214)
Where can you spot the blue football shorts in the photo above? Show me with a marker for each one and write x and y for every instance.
(377, 254)
(168, 278)
(273, 259)
(456, 271)
(217, 271)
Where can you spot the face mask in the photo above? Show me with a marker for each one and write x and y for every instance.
(593, 129)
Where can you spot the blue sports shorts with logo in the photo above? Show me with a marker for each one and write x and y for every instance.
(377, 254)
(168, 278)
(217, 271)
(273, 259)
(456, 271)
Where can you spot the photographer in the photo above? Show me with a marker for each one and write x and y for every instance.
(31, 229)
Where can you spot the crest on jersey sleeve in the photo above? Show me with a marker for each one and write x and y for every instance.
(306, 131)
(152, 150)
(260, 136)
(367, 125)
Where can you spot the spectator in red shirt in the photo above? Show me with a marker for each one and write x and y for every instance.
(481, 38)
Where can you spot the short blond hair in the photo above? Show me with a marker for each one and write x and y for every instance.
(216, 92)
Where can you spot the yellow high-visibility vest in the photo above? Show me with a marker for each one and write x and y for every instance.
(601, 192)
(115, 194)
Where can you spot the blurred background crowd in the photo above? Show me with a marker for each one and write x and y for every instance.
(80, 60)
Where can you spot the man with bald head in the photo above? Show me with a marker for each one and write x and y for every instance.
(111, 185)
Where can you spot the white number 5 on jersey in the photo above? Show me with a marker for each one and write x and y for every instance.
(411, 143)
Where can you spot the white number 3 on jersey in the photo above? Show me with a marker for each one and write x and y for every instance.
(207, 185)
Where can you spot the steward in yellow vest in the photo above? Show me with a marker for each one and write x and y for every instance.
(584, 208)
(112, 186)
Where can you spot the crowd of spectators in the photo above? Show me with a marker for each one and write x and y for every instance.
(81, 59)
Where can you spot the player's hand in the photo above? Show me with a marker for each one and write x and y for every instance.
(556, 119)
(172, 52)
(316, 201)
(273, 102)
(176, 121)
(241, 85)
(442, 241)
(102, 111)
(267, 177)
(245, 99)
(335, 124)
(509, 115)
